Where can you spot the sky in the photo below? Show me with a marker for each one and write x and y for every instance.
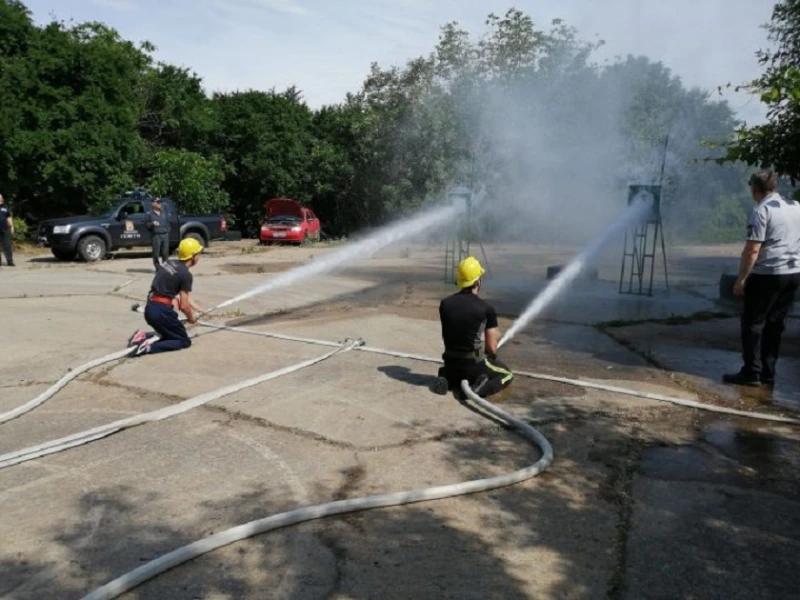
(325, 47)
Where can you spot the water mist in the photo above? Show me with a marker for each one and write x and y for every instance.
(358, 250)
(635, 212)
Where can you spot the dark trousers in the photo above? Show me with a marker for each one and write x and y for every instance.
(160, 248)
(500, 376)
(767, 299)
(5, 241)
(166, 324)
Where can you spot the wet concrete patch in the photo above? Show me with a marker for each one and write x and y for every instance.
(706, 350)
(733, 543)
(264, 267)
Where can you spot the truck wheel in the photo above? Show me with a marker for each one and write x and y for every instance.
(196, 236)
(63, 254)
(92, 248)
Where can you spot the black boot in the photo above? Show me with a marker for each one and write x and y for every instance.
(742, 378)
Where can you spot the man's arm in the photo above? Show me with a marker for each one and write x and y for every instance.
(748, 259)
(186, 307)
(10, 222)
(492, 340)
(756, 234)
(491, 336)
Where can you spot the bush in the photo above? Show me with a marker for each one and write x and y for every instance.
(20, 231)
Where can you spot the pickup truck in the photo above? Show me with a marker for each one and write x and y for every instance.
(93, 237)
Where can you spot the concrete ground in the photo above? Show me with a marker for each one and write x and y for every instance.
(643, 500)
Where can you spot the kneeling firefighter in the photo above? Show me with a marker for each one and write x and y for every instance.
(171, 286)
(471, 337)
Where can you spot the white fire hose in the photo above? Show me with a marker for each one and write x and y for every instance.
(155, 567)
(51, 391)
(90, 435)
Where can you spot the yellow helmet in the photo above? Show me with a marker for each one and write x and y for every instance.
(188, 248)
(469, 271)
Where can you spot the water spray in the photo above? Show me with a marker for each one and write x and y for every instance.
(633, 213)
(359, 250)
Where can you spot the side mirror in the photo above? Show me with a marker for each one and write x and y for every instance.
(122, 215)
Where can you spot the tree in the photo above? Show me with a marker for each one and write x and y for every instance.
(73, 140)
(191, 179)
(175, 112)
(776, 143)
(266, 140)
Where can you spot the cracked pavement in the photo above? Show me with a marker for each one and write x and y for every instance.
(643, 500)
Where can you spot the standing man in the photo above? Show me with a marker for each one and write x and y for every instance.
(471, 337)
(769, 274)
(158, 224)
(6, 231)
(171, 286)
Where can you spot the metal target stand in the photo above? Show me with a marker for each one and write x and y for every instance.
(457, 247)
(641, 246)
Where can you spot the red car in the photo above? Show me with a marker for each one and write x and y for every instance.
(288, 222)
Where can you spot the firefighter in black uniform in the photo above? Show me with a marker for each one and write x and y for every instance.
(471, 337)
(171, 285)
(6, 232)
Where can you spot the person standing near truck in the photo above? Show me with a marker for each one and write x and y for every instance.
(6, 231)
(170, 288)
(157, 222)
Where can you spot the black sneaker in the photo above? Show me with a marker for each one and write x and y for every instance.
(768, 381)
(440, 386)
(141, 348)
(741, 378)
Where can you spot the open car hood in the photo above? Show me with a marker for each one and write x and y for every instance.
(283, 207)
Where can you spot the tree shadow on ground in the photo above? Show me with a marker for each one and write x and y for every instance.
(615, 527)
(387, 554)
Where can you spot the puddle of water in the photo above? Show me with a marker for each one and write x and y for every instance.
(730, 452)
(753, 447)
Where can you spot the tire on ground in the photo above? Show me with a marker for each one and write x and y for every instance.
(92, 248)
(63, 254)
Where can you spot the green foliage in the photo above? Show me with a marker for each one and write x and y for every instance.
(20, 230)
(69, 117)
(723, 222)
(175, 112)
(189, 178)
(266, 140)
(776, 143)
(86, 114)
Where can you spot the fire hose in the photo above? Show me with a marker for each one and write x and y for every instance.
(61, 383)
(90, 435)
(155, 567)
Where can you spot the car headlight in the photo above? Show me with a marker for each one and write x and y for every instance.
(61, 228)
(295, 228)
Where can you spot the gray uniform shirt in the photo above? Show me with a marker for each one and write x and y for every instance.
(775, 222)
(163, 222)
